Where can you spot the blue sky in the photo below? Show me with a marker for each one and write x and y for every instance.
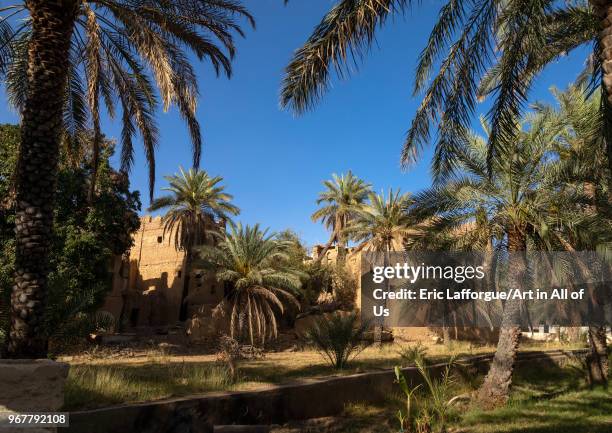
(274, 163)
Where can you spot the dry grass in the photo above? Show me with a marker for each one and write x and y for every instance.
(100, 381)
(91, 386)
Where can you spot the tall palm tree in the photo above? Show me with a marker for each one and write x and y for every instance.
(581, 169)
(382, 225)
(342, 198)
(249, 261)
(118, 50)
(196, 206)
(110, 45)
(513, 203)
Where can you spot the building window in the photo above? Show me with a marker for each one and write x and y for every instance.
(134, 313)
(159, 239)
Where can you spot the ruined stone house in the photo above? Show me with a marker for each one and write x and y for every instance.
(148, 282)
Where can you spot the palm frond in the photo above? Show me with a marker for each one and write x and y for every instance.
(341, 38)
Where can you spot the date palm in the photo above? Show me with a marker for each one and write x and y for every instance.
(382, 225)
(196, 207)
(582, 171)
(118, 52)
(249, 261)
(340, 202)
(513, 204)
(60, 61)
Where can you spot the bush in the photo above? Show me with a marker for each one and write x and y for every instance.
(338, 338)
(344, 287)
(412, 353)
(231, 352)
(334, 280)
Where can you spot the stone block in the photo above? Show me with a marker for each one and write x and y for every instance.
(32, 386)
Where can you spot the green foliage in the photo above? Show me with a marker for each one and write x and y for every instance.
(335, 280)
(195, 202)
(252, 265)
(405, 418)
(343, 287)
(440, 391)
(86, 238)
(439, 399)
(342, 197)
(547, 184)
(101, 385)
(383, 223)
(475, 50)
(343, 35)
(295, 250)
(9, 143)
(338, 337)
(128, 56)
(318, 280)
(413, 352)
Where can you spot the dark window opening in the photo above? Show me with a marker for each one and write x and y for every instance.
(134, 317)
(159, 239)
(178, 274)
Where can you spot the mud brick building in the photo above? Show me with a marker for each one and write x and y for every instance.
(147, 289)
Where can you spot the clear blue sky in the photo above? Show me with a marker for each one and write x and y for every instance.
(274, 163)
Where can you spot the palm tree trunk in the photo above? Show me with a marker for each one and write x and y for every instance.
(603, 11)
(378, 332)
(496, 387)
(52, 26)
(184, 304)
(597, 360)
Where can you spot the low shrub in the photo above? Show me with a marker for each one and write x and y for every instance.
(411, 353)
(344, 287)
(336, 281)
(231, 352)
(338, 338)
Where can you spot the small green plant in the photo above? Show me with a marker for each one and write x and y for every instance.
(423, 422)
(405, 419)
(338, 338)
(438, 403)
(411, 353)
(439, 390)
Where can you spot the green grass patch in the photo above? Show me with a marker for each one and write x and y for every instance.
(549, 399)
